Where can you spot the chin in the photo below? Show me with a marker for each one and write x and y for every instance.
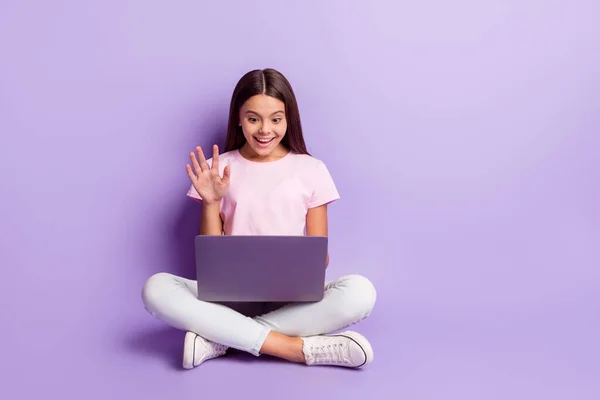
(263, 152)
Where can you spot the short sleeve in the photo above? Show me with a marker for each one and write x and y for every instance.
(324, 189)
(193, 193)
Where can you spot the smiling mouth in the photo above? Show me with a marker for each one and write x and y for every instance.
(263, 141)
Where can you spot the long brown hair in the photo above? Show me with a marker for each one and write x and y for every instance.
(271, 83)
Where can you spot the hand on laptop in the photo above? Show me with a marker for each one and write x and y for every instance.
(207, 180)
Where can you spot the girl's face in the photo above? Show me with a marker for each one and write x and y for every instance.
(263, 122)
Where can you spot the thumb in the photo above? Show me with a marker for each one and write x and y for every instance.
(226, 174)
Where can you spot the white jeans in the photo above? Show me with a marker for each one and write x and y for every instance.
(245, 326)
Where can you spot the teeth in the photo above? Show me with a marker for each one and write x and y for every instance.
(264, 140)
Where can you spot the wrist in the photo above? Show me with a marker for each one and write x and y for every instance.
(211, 205)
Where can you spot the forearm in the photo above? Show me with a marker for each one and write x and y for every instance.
(316, 224)
(210, 220)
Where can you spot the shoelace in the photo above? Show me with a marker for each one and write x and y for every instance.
(216, 349)
(329, 353)
(212, 349)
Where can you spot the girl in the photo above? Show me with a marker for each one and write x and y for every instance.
(265, 183)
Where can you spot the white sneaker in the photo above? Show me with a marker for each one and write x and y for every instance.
(344, 349)
(196, 350)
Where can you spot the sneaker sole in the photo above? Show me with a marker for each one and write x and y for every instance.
(362, 342)
(189, 350)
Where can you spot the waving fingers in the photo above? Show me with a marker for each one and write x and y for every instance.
(215, 158)
(202, 159)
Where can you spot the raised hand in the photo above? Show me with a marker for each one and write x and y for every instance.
(206, 180)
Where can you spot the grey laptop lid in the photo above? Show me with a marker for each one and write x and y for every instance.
(260, 268)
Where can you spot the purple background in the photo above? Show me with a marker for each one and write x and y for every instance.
(463, 137)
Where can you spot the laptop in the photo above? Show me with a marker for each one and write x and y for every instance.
(240, 268)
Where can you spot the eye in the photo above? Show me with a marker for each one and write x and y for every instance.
(276, 120)
(252, 119)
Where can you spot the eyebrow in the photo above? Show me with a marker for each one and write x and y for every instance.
(254, 112)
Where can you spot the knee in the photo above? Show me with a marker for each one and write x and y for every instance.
(360, 296)
(154, 290)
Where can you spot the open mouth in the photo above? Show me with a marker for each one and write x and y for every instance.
(263, 142)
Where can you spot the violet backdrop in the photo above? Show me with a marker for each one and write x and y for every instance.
(463, 137)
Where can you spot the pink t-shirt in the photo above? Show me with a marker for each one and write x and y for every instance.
(272, 198)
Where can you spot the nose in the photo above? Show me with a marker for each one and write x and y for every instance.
(264, 128)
